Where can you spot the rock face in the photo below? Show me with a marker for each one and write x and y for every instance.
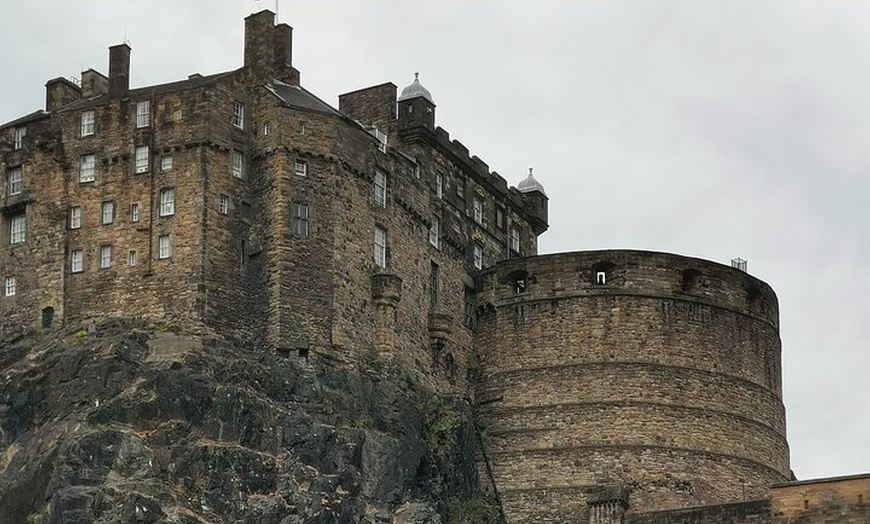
(138, 424)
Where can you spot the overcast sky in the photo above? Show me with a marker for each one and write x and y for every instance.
(706, 128)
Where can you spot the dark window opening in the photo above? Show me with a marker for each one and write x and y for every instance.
(690, 280)
(303, 356)
(469, 308)
(434, 278)
(47, 317)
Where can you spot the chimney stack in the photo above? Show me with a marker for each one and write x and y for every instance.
(119, 70)
(269, 48)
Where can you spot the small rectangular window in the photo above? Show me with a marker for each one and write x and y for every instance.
(223, 204)
(143, 113)
(10, 286)
(164, 248)
(266, 129)
(300, 128)
(239, 115)
(88, 118)
(460, 187)
(166, 163)
(87, 167)
(142, 159)
(75, 217)
(515, 240)
(237, 160)
(77, 260)
(434, 232)
(380, 188)
(382, 138)
(477, 256)
(499, 217)
(439, 185)
(167, 202)
(380, 247)
(14, 179)
(134, 212)
(300, 219)
(105, 256)
(18, 229)
(107, 213)
(18, 137)
(478, 211)
(301, 168)
(131, 257)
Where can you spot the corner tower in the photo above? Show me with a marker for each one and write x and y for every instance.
(416, 108)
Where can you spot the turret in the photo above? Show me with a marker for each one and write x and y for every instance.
(416, 107)
(535, 203)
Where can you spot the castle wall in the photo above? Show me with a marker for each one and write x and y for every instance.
(664, 377)
(842, 500)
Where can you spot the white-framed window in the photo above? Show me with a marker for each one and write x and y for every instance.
(300, 219)
(107, 212)
(439, 185)
(239, 115)
(142, 159)
(382, 139)
(166, 163)
(223, 204)
(87, 168)
(143, 113)
(380, 188)
(88, 119)
(164, 247)
(75, 217)
(478, 210)
(266, 129)
(477, 256)
(380, 247)
(18, 135)
(301, 168)
(167, 201)
(300, 128)
(134, 212)
(77, 260)
(515, 240)
(237, 161)
(434, 232)
(13, 181)
(132, 257)
(105, 256)
(10, 286)
(18, 229)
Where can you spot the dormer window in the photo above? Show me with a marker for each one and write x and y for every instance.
(382, 138)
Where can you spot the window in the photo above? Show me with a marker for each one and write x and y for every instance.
(380, 247)
(468, 308)
(600, 278)
(242, 254)
(499, 217)
(300, 128)
(477, 256)
(13, 181)
(166, 163)
(18, 229)
(87, 167)
(434, 232)
(460, 187)
(434, 278)
(143, 113)
(237, 159)
(131, 257)
(134, 212)
(77, 261)
(105, 256)
(18, 135)
(417, 171)
(300, 219)
(75, 217)
(515, 240)
(239, 115)
(142, 159)
(382, 139)
(301, 168)
(266, 129)
(88, 118)
(223, 204)
(380, 188)
(10, 286)
(167, 202)
(478, 211)
(439, 185)
(164, 248)
(107, 213)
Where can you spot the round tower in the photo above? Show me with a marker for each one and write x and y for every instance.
(653, 372)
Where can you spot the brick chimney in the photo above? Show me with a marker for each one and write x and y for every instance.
(119, 70)
(269, 48)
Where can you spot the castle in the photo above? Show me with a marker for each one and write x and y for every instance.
(615, 386)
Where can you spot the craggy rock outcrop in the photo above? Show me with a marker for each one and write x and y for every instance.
(138, 424)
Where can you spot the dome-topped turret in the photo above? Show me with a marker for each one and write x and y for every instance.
(416, 90)
(531, 184)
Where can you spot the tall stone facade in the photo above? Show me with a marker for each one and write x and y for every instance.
(614, 386)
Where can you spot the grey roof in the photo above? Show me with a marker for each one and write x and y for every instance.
(531, 184)
(415, 90)
(36, 115)
(297, 96)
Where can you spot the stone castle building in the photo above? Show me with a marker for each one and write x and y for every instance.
(615, 386)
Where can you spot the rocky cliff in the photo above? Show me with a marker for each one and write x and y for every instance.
(123, 422)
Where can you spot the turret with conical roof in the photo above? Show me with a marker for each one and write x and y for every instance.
(416, 108)
(535, 202)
